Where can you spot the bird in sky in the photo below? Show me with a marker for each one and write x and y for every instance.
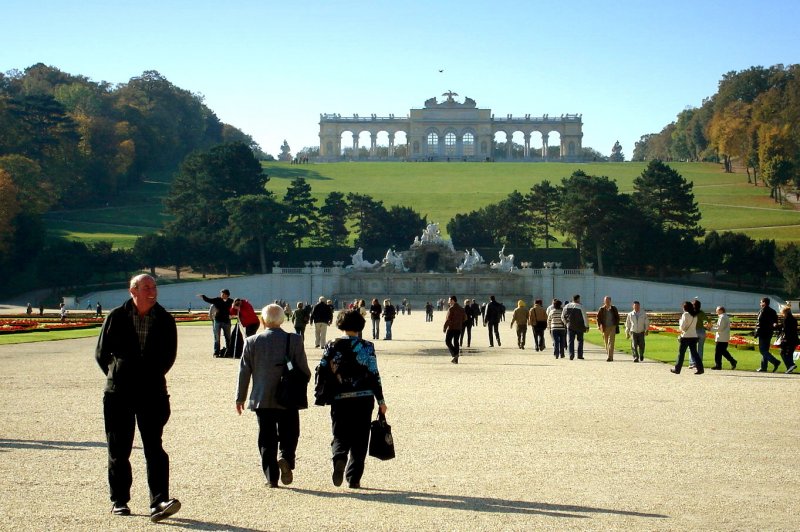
(441, 70)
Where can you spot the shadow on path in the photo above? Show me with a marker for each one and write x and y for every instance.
(49, 445)
(475, 504)
(194, 524)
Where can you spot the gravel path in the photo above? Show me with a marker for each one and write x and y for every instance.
(506, 440)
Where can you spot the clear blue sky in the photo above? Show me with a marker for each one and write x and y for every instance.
(270, 68)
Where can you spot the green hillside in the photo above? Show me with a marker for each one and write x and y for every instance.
(441, 190)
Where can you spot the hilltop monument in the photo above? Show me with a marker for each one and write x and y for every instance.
(451, 130)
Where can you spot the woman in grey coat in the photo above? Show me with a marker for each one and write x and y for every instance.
(262, 361)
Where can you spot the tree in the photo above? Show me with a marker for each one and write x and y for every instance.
(9, 208)
(302, 213)
(71, 258)
(402, 225)
(259, 219)
(286, 152)
(593, 216)
(150, 251)
(331, 229)
(616, 153)
(666, 198)
(508, 223)
(788, 262)
(205, 180)
(729, 131)
(542, 206)
(369, 218)
(472, 228)
(34, 193)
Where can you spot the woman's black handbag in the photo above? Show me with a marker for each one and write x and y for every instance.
(381, 443)
(292, 390)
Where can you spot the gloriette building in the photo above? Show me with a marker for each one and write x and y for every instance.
(450, 130)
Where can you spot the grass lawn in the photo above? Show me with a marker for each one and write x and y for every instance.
(442, 190)
(664, 348)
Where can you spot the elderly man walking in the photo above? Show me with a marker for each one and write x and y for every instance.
(636, 325)
(321, 317)
(608, 323)
(136, 348)
(263, 359)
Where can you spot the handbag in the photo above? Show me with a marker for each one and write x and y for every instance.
(381, 442)
(778, 341)
(292, 389)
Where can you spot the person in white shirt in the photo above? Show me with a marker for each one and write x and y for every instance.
(688, 339)
(722, 337)
(636, 325)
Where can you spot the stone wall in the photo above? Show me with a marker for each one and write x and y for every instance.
(307, 284)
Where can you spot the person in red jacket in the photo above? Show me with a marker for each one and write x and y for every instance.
(247, 316)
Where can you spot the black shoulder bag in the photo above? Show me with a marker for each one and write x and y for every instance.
(292, 390)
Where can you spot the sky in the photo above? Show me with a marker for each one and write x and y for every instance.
(271, 67)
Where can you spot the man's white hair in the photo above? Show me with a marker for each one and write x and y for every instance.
(322, 299)
(273, 315)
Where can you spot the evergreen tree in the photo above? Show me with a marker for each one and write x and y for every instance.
(542, 208)
(369, 217)
(594, 212)
(331, 228)
(666, 198)
(301, 211)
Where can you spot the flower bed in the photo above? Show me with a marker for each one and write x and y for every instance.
(19, 325)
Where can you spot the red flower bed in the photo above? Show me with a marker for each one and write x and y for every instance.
(17, 325)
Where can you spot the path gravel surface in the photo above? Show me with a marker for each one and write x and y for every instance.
(505, 440)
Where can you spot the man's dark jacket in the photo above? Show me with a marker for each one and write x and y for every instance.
(322, 313)
(493, 311)
(128, 368)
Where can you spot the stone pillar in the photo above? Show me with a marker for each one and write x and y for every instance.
(355, 145)
(373, 144)
(509, 142)
(526, 151)
(544, 145)
(391, 145)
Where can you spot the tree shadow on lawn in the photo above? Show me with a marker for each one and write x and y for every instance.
(475, 504)
(294, 172)
(7, 444)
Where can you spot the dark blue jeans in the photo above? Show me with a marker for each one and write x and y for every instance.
(571, 336)
(691, 344)
(766, 356)
(559, 342)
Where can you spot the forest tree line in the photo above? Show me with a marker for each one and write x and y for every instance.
(69, 142)
(753, 121)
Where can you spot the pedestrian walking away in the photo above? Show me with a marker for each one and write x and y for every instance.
(520, 319)
(349, 381)
(491, 318)
(263, 361)
(453, 323)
